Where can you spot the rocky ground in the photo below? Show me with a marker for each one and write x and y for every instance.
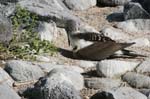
(59, 77)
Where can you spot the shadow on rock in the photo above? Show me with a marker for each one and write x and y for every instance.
(115, 17)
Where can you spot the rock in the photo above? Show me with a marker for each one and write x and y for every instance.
(7, 92)
(102, 83)
(47, 31)
(144, 67)
(115, 34)
(5, 30)
(56, 85)
(9, 1)
(23, 71)
(42, 58)
(49, 10)
(136, 25)
(120, 93)
(146, 92)
(79, 4)
(7, 10)
(47, 67)
(87, 64)
(112, 2)
(114, 68)
(135, 11)
(72, 77)
(141, 42)
(115, 17)
(145, 4)
(5, 78)
(86, 28)
(137, 80)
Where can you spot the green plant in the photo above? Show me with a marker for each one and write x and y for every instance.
(25, 43)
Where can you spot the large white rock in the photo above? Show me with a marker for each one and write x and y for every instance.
(114, 68)
(79, 4)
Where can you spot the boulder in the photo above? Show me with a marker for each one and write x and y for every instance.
(144, 67)
(49, 10)
(56, 85)
(137, 80)
(5, 78)
(135, 11)
(115, 68)
(119, 93)
(22, 71)
(79, 4)
(136, 25)
(6, 92)
(47, 31)
(5, 29)
(112, 2)
(102, 83)
(115, 34)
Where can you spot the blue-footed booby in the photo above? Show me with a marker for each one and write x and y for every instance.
(95, 46)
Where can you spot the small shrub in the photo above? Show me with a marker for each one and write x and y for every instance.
(25, 43)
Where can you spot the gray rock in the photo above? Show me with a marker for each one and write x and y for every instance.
(87, 64)
(8, 9)
(135, 11)
(5, 78)
(5, 30)
(7, 92)
(102, 83)
(115, 34)
(23, 71)
(55, 86)
(146, 92)
(144, 67)
(47, 31)
(120, 93)
(136, 25)
(114, 68)
(145, 4)
(79, 4)
(112, 2)
(72, 77)
(8, 1)
(41, 58)
(137, 80)
(47, 67)
(49, 9)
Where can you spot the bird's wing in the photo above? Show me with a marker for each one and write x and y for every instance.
(101, 50)
(92, 36)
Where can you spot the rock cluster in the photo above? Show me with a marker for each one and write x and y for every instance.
(48, 78)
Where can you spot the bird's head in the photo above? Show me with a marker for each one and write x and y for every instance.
(72, 26)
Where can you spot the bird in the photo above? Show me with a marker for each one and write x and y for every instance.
(95, 46)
